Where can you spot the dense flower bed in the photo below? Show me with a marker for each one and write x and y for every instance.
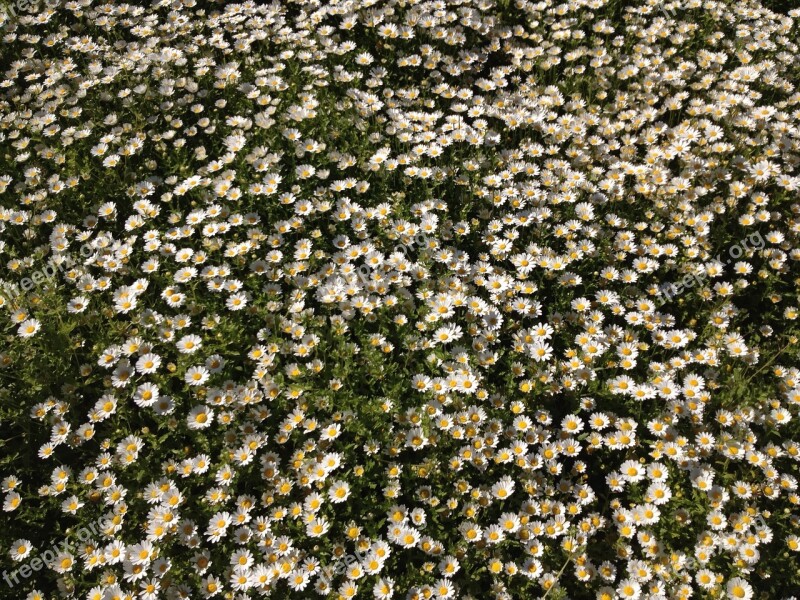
(399, 299)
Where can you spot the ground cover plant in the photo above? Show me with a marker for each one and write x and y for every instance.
(399, 299)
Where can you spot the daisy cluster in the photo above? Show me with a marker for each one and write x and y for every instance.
(366, 299)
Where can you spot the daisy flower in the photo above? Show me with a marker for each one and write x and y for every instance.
(189, 344)
(28, 328)
(196, 376)
(200, 417)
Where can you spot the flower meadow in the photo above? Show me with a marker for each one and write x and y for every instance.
(411, 299)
